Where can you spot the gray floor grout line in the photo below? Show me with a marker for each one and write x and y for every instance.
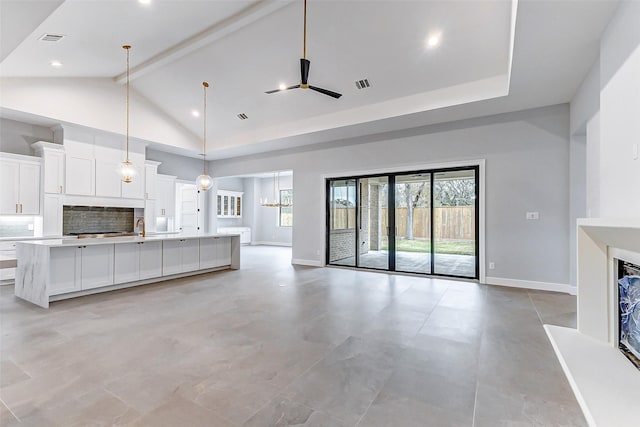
(535, 307)
(9, 409)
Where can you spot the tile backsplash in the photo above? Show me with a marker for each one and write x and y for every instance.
(16, 226)
(91, 219)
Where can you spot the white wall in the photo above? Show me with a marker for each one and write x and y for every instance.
(17, 137)
(620, 114)
(96, 103)
(527, 163)
(593, 167)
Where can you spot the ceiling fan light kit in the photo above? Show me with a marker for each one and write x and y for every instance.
(305, 64)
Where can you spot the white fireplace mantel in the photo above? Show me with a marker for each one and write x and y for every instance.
(605, 383)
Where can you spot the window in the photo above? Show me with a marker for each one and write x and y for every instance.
(285, 215)
(343, 204)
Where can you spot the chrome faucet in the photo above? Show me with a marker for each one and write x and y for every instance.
(141, 220)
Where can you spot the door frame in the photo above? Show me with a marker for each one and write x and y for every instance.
(407, 169)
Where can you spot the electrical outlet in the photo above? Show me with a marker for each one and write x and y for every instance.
(492, 265)
(533, 215)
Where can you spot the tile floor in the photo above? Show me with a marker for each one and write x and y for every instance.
(277, 345)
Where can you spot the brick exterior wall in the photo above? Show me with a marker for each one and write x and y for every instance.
(342, 244)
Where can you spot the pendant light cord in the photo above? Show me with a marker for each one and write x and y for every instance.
(127, 47)
(304, 45)
(205, 85)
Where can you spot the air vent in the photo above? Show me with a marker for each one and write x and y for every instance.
(243, 116)
(51, 37)
(362, 84)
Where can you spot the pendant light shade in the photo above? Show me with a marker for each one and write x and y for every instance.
(127, 169)
(204, 181)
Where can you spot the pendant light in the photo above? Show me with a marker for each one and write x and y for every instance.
(204, 181)
(276, 203)
(127, 170)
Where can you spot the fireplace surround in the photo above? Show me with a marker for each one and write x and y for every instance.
(605, 382)
(628, 280)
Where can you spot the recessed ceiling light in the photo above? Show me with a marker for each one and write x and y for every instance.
(55, 64)
(282, 86)
(144, 1)
(195, 113)
(433, 41)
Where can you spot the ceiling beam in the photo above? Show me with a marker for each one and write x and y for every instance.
(256, 11)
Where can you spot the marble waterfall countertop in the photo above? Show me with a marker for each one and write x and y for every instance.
(124, 239)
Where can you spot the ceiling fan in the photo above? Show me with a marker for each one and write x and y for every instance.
(304, 69)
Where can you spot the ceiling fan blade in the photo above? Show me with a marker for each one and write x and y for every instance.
(304, 70)
(281, 90)
(332, 94)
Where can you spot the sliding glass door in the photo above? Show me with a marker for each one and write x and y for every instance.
(422, 222)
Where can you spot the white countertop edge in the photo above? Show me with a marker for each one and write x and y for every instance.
(117, 240)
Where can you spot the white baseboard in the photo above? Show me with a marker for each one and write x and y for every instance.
(271, 244)
(530, 284)
(309, 262)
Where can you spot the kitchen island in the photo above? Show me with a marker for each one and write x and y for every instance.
(51, 270)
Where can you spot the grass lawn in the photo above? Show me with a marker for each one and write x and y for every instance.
(442, 247)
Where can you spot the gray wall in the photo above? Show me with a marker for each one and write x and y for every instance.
(187, 168)
(17, 137)
(267, 229)
(527, 169)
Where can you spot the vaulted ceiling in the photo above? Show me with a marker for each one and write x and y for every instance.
(491, 55)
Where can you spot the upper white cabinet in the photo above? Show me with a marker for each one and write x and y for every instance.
(53, 170)
(229, 204)
(52, 215)
(166, 196)
(80, 175)
(20, 177)
(108, 179)
(151, 179)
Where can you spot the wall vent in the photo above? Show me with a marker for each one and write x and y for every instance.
(362, 84)
(51, 37)
(243, 116)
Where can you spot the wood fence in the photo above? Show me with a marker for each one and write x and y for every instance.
(451, 222)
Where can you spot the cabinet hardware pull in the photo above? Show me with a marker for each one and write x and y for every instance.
(17, 208)
(61, 189)
(20, 207)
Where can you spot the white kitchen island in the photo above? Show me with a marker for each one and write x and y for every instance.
(51, 270)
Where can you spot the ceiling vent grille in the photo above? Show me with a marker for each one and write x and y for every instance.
(362, 84)
(243, 116)
(51, 37)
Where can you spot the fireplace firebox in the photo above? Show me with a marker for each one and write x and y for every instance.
(629, 311)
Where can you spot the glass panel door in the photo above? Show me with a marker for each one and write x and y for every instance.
(341, 195)
(373, 240)
(413, 223)
(454, 223)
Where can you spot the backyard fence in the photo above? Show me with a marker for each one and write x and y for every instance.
(451, 222)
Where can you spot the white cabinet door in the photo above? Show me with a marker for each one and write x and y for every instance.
(29, 191)
(9, 195)
(190, 255)
(224, 251)
(150, 260)
(53, 171)
(134, 189)
(97, 266)
(150, 215)
(107, 179)
(127, 263)
(209, 253)
(171, 257)
(52, 215)
(80, 176)
(64, 270)
(166, 196)
(150, 181)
